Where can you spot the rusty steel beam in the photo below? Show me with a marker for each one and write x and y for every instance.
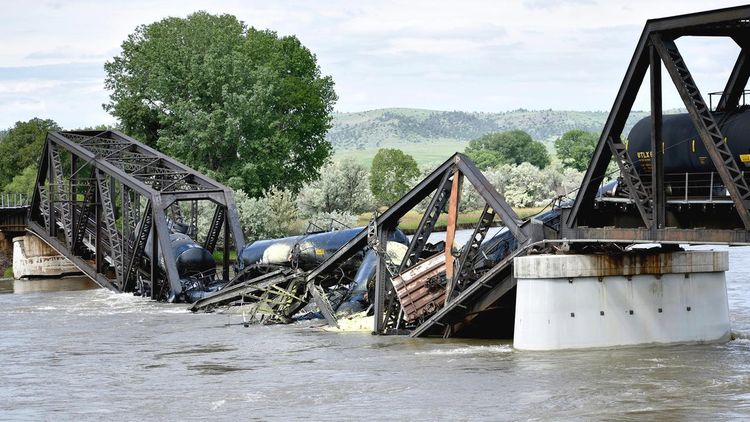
(738, 237)
(427, 222)
(450, 232)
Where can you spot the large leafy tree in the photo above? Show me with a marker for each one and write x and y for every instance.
(243, 105)
(20, 148)
(391, 175)
(575, 148)
(511, 147)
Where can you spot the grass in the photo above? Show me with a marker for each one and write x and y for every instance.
(219, 255)
(424, 153)
(411, 220)
(8, 273)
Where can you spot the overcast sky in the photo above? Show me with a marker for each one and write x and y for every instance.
(443, 55)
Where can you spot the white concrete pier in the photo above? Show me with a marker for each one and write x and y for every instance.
(587, 301)
(34, 258)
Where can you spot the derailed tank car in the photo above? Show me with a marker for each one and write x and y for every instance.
(306, 252)
(196, 266)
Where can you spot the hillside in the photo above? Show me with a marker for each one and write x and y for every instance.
(431, 135)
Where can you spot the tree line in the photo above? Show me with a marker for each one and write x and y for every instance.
(519, 167)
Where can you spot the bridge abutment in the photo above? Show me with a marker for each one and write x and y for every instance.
(34, 258)
(587, 301)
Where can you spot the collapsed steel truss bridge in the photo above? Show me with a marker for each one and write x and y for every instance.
(102, 199)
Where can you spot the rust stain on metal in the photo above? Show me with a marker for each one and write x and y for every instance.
(419, 289)
(450, 233)
(669, 234)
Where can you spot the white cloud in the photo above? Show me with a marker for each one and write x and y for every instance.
(470, 55)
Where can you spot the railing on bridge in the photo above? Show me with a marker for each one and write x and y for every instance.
(13, 212)
(14, 200)
(680, 188)
(714, 99)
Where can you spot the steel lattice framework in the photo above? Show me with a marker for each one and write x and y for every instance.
(655, 48)
(101, 198)
(464, 287)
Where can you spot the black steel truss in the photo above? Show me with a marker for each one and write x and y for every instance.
(100, 195)
(657, 46)
(439, 184)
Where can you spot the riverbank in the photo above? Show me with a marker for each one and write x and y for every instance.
(466, 220)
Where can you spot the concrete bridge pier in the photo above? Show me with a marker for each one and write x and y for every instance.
(33, 258)
(638, 297)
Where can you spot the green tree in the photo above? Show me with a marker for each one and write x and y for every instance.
(342, 187)
(23, 182)
(242, 105)
(391, 175)
(272, 215)
(575, 148)
(21, 147)
(527, 186)
(511, 147)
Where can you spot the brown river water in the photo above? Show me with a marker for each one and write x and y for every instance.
(96, 355)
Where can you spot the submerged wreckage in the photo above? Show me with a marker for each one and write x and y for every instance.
(126, 215)
(409, 284)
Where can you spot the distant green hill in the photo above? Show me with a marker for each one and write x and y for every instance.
(431, 136)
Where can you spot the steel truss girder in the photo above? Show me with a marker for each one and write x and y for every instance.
(429, 218)
(421, 191)
(138, 247)
(215, 229)
(108, 210)
(730, 97)
(729, 22)
(438, 184)
(638, 192)
(58, 189)
(465, 269)
(708, 129)
(87, 207)
(119, 231)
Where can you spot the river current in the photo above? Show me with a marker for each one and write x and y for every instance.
(96, 355)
